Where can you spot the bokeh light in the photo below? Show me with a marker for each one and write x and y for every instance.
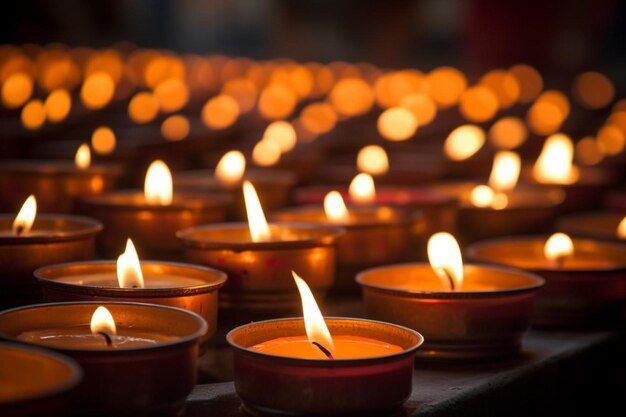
(593, 90)
(422, 107)
(351, 97)
(282, 133)
(446, 85)
(175, 127)
(33, 114)
(143, 108)
(172, 95)
(58, 105)
(16, 90)
(97, 90)
(478, 104)
(611, 140)
(373, 160)
(587, 151)
(463, 142)
(276, 101)
(397, 124)
(529, 81)
(318, 118)
(103, 140)
(508, 133)
(220, 112)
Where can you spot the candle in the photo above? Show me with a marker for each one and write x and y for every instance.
(585, 279)
(59, 185)
(153, 217)
(122, 374)
(297, 367)
(609, 226)
(29, 241)
(464, 311)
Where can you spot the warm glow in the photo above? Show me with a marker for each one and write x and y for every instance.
(504, 85)
(82, 159)
(373, 160)
(129, 273)
(621, 229)
(463, 142)
(282, 133)
(58, 105)
(220, 112)
(102, 322)
(25, 217)
(158, 184)
(444, 255)
(316, 329)
(16, 90)
(175, 127)
(588, 151)
(97, 90)
(484, 196)
(397, 124)
(259, 229)
(230, 168)
(335, 208)
(508, 133)
(318, 117)
(554, 164)
(243, 91)
(478, 104)
(143, 108)
(103, 140)
(558, 247)
(266, 153)
(446, 85)
(362, 190)
(351, 97)
(611, 140)
(422, 107)
(277, 101)
(505, 171)
(33, 114)
(529, 81)
(172, 95)
(593, 90)
(544, 118)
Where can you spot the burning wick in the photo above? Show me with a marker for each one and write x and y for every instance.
(324, 350)
(19, 230)
(443, 271)
(107, 338)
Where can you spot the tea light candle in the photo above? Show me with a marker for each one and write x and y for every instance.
(297, 367)
(610, 226)
(139, 358)
(464, 311)
(29, 241)
(152, 217)
(58, 185)
(585, 279)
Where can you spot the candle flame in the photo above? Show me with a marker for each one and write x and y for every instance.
(83, 157)
(335, 208)
(158, 186)
(558, 247)
(316, 329)
(102, 322)
(505, 172)
(230, 168)
(554, 164)
(445, 259)
(25, 217)
(259, 229)
(362, 189)
(129, 273)
(484, 196)
(621, 229)
(463, 142)
(373, 160)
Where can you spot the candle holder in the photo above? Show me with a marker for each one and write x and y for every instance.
(59, 186)
(53, 239)
(191, 287)
(374, 236)
(593, 225)
(47, 394)
(152, 227)
(587, 291)
(277, 385)
(485, 321)
(124, 380)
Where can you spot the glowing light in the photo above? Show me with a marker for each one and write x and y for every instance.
(277, 101)
(175, 127)
(504, 85)
(529, 81)
(230, 169)
(318, 117)
(16, 90)
(158, 189)
(508, 133)
(82, 159)
(588, 152)
(351, 97)
(266, 153)
(505, 172)
(33, 114)
(593, 90)
(484, 196)
(373, 160)
(611, 140)
(103, 140)
(362, 189)
(554, 164)
(422, 107)
(220, 112)
(97, 90)
(335, 208)
(259, 229)
(621, 229)
(558, 247)
(102, 322)
(243, 91)
(544, 118)
(129, 273)
(397, 124)
(446, 85)
(143, 108)
(478, 104)
(172, 95)
(282, 133)
(445, 259)
(463, 142)
(25, 217)
(58, 105)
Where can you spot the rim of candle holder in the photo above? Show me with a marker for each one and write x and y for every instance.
(205, 178)
(197, 335)
(134, 200)
(398, 217)
(60, 167)
(297, 324)
(46, 276)
(570, 224)
(327, 236)
(452, 295)
(90, 228)
(473, 248)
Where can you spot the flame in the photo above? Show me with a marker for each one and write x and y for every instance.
(621, 229)
(463, 142)
(26, 217)
(373, 160)
(158, 185)
(445, 258)
(230, 168)
(362, 189)
(335, 208)
(316, 329)
(259, 229)
(505, 171)
(554, 164)
(558, 247)
(485, 196)
(102, 322)
(128, 268)
(83, 157)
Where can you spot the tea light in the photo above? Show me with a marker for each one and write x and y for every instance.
(48, 394)
(273, 185)
(464, 311)
(192, 287)
(339, 366)
(374, 235)
(607, 225)
(137, 358)
(585, 279)
(27, 243)
(258, 258)
(58, 185)
(152, 217)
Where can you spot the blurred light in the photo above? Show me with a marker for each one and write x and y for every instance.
(463, 142)
(504, 85)
(16, 90)
(611, 140)
(108, 61)
(276, 102)
(103, 140)
(391, 88)
(554, 165)
(478, 104)
(243, 91)
(422, 107)
(587, 151)
(529, 81)
(362, 189)
(220, 112)
(175, 127)
(593, 90)
(397, 124)
(373, 160)
(351, 97)
(446, 85)
(618, 119)
(266, 153)
(508, 133)
(33, 114)
(143, 108)
(282, 133)
(318, 117)
(301, 81)
(544, 118)
(505, 171)
(161, 67)
(172, 95)
(620, 105)
(97, 90)
(58, 105)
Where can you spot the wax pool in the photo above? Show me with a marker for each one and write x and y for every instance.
(346, 347)
(150, 280)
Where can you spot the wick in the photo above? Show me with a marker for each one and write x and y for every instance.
(560, 260)
(324, 350)
(448, 275)
(134, 286)
(19, 230)
(107, 338)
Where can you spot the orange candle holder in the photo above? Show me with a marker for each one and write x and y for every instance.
(59, 186)
(277, 385)
(48, 394)
(592, 225)
(486, 320)
(53, 239)
(124, 380)
(586, 293)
